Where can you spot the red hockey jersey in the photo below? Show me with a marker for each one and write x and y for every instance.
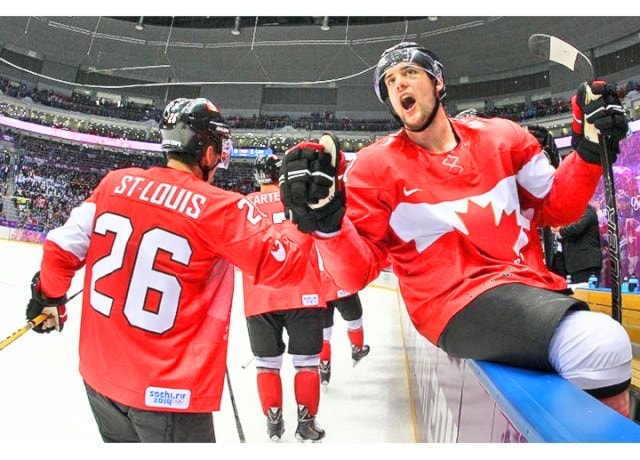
(330, 289)
(158, 246)
(454, 224)
(263, 299)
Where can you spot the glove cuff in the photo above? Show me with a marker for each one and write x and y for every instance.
(329, 217)
(49, 301)
(326, 236)
(589, 151)
(45, 301)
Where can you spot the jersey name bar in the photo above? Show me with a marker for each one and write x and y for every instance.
(169, 196)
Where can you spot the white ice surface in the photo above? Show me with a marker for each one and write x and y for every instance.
(43, 404)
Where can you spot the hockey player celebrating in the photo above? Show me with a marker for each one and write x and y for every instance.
(298, 308)
(159, 247)
(450, 203)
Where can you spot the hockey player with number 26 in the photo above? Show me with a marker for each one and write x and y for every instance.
(158, 247)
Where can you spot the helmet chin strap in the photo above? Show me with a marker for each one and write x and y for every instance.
(429, 119)
(206, 169)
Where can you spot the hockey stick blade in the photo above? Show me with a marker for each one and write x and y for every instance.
(555, 50)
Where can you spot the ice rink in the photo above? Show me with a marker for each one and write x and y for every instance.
(43, 405)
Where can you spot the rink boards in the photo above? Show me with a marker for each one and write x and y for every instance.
(463, 401)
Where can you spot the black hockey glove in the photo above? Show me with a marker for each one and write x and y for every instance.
(545, 138)
(39, 303)
(311, 185)
(597, 110)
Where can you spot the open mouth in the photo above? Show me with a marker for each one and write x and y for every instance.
(407, 102)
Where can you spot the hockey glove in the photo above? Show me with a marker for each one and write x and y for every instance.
(311, 185)
(545, 138)
(39, 303)
(597, 110)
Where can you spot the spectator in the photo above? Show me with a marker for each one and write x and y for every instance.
(581, 246)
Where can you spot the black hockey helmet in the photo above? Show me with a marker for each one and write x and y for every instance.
(189, 125)
(411, 53)
(267, 169)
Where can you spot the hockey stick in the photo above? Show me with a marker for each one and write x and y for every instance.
(245, 365)
(235, 408)
(556, 50)
(30, 325)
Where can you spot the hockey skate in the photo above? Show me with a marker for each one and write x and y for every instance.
(358, 353)
(275, 424)
(325, 373)
(308, 430)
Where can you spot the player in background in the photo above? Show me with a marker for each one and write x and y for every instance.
(350, 308)
(547, 142)
(159, 247)
(550, 242)
(296, 308)
(454, 205)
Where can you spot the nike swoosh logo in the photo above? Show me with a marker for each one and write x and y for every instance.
(410, 192)
(279, 253)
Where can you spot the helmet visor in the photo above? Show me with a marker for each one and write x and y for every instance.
(220, 135)
(225, 153)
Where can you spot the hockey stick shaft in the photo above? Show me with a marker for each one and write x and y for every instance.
(23, 330)
(235, 408)
(30, 325)
(612, 231)
(245, 365)
(561, 52)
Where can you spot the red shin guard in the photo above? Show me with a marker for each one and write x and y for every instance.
(307, 389)
(356, 337)
(325, 353)
(269, 389)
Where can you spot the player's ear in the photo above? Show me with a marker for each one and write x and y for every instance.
(209, 156)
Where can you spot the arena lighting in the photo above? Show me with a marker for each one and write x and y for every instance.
(140, 25)
(325, 23)
(236, 27)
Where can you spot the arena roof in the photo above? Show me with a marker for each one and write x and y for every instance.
(296, 49)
